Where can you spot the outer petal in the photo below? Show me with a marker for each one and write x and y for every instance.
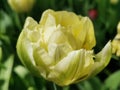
(66, 19)
(30, 23)
(116, 42)
(49, 27)
(102, 59)
(90, 41)
(45, 16)
(116, 45)
(84, 73)
(79, 32)
(63, 18)
(118, 28)
(83, 31)
(70, 68)
(24, 45)
(25, 53)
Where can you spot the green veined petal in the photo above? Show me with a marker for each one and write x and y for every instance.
(102, 59)
(90, 41)
(65, 71)
(25, 53)
(30, 23)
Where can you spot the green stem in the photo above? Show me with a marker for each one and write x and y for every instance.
(55, 87)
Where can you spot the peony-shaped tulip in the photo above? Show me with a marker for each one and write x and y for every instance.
(59, 47)
(116, 42)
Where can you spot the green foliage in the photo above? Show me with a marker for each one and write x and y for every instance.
(14, 76)
(5, 73)
(113, 81)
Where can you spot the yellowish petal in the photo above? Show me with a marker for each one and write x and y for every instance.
(80, 32)
(60, 36)
(43, 60)
(58, 52)
(66, 19)
(118, 28)
(102, 59)
(89, 62)
(30, 23)
(45, 16)
(25, 53)
(70, 68)
(83, 31)
(118, 50)
(116, 45)
(90, 41)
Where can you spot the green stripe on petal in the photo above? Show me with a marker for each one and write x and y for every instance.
(83, 32)
(102, 59)
(25, 53)
(43, 60)
(30, 23)
(70, 68)
(90, 41)
(89, 62)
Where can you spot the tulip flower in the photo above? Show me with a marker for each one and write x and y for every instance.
(60, 48)
(21, 5)
(116, 42)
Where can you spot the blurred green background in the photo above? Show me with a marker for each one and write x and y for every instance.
(105, 15)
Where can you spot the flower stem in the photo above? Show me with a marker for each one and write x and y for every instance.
(55, 87)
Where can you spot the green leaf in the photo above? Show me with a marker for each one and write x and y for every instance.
(5, 21)
(85, 85)
(113, 81)
(5, 38)
(0, 54)
(66, 88)
(25, 76)
(5, 73)
(95, 83)
(91, 84)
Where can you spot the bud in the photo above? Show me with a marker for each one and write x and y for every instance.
(21, 5)
(114, 1)
(59, 47)
(92, 14)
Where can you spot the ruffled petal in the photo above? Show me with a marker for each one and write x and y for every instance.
(25, 53)
(102, 59)
(83, 32)
(43, 60)
(30, 23)
(70, 68)
(90, 41)
(61, 35)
